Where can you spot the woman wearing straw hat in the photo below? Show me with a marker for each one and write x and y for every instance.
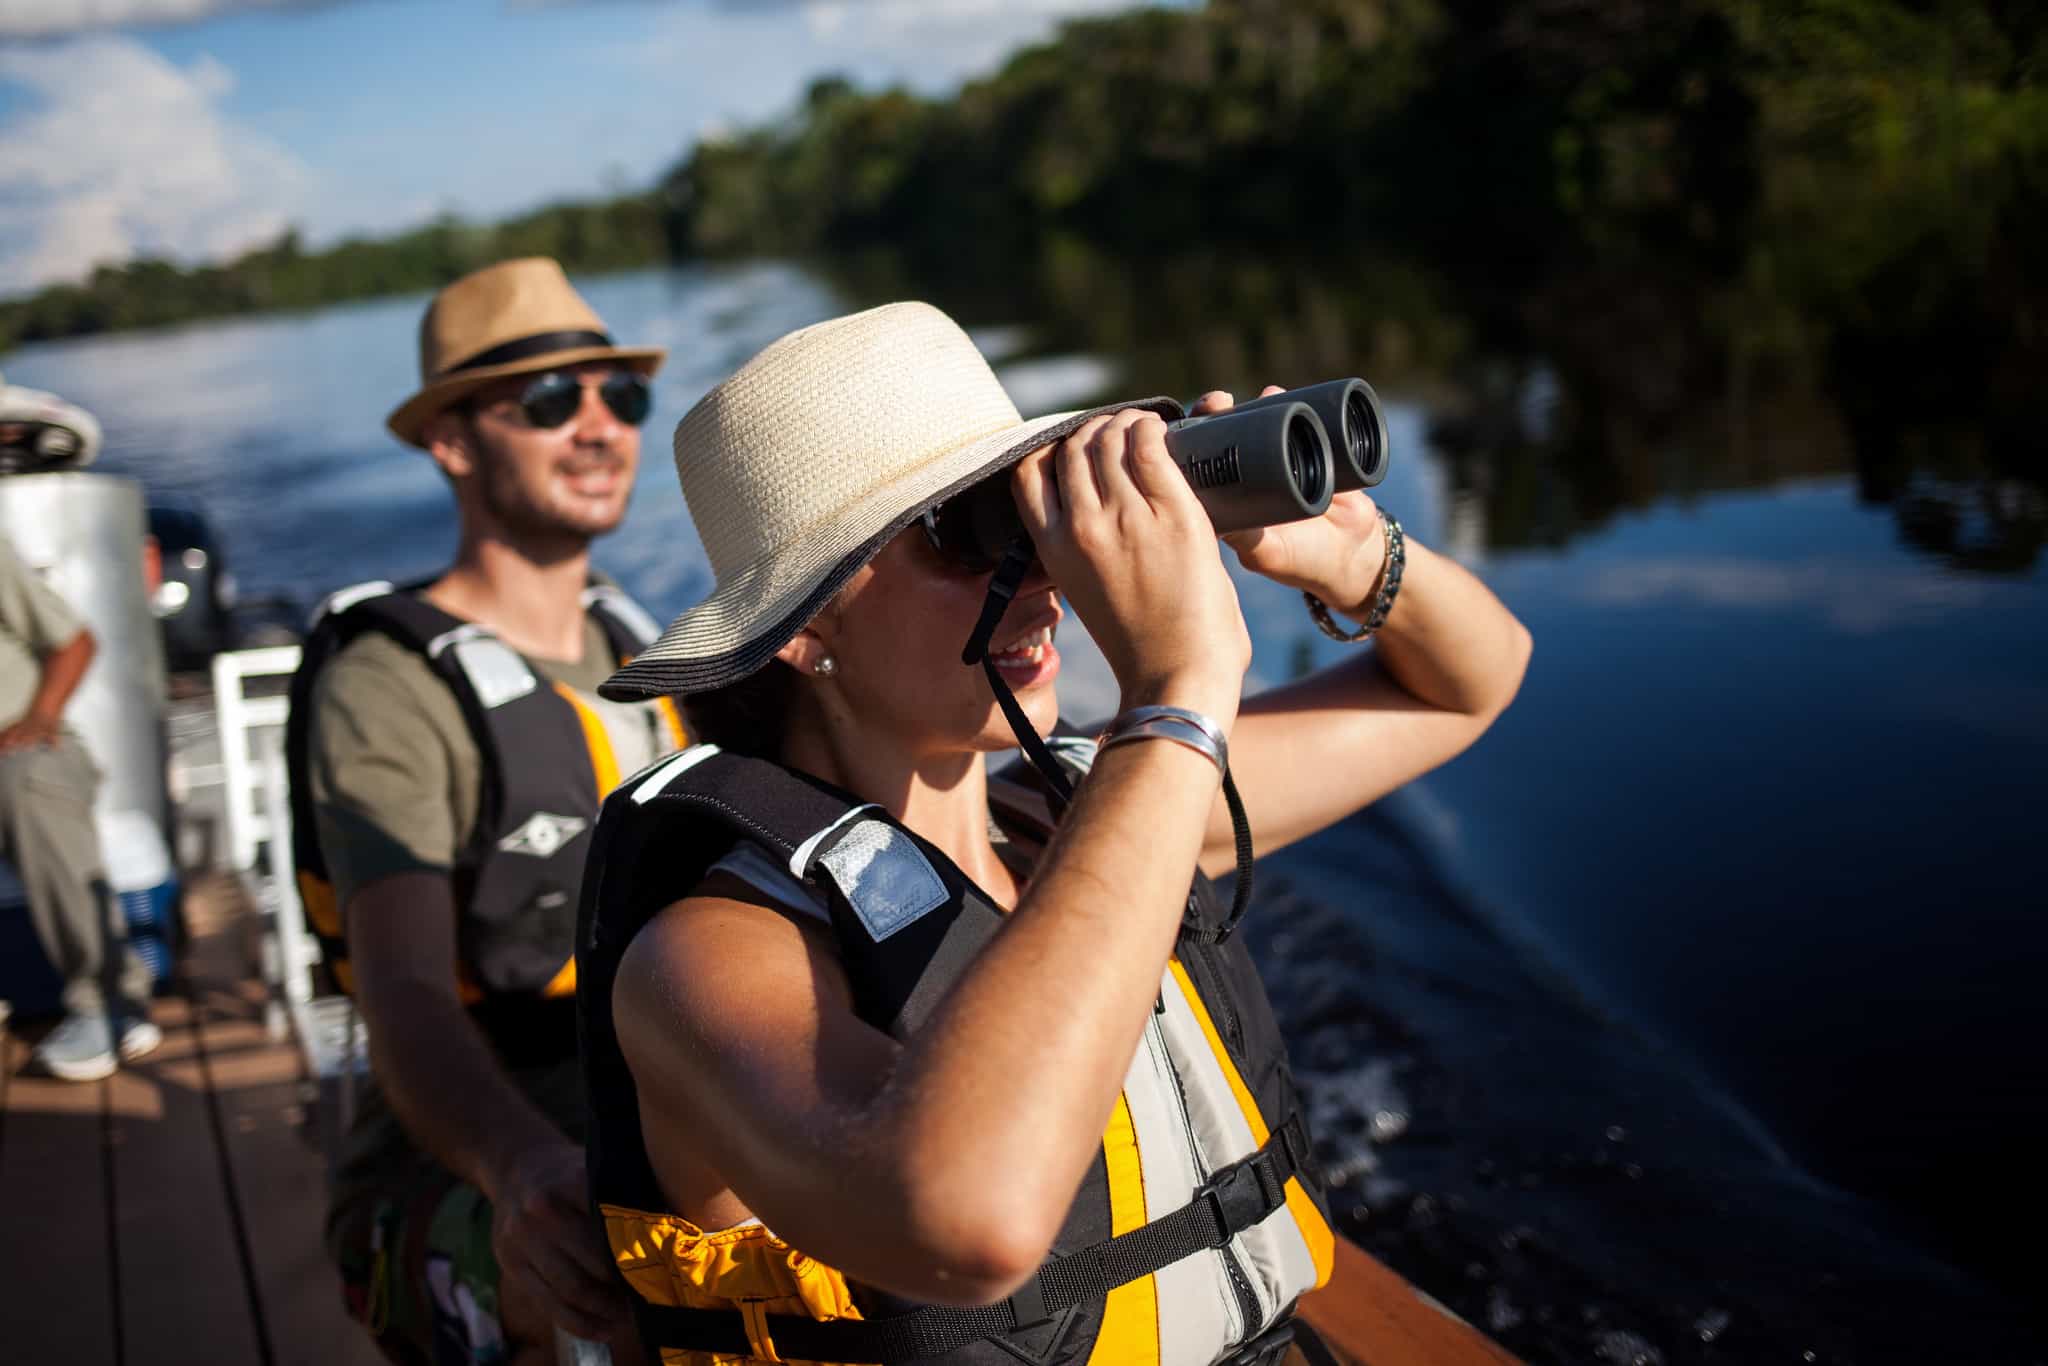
(882, 1066)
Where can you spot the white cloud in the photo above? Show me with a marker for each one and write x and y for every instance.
(116, 151)
(931, 45)
(124, 153)
(934, 44)
(51, 18)
(953, 37)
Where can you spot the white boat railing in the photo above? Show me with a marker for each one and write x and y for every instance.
(257, 800)
(240, 718)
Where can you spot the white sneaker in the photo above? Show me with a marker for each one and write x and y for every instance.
(80, 1048)
(139, 1039)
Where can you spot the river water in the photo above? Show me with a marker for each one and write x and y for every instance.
(1695, 1014)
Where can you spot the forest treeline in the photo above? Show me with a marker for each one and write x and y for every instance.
(1858, 136)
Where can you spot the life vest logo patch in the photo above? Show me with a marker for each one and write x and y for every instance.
(543, 834)
(884, 877)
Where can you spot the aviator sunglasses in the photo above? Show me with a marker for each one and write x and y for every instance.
(553, 398)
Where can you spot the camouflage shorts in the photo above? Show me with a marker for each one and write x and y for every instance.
(417, 1271)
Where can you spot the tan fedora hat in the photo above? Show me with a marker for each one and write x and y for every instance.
(804, 464)
(506, 319)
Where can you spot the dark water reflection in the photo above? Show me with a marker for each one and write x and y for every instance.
(1560, 400)
(1693, 1015)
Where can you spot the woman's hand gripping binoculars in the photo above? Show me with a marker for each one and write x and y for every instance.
(1279, 458)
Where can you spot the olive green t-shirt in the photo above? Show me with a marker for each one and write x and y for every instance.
(34, 622)
(395, 777)
(395, 772)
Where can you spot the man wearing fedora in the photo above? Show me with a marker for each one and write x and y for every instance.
(449, 752)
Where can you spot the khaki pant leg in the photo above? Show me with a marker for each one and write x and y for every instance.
(47, 832)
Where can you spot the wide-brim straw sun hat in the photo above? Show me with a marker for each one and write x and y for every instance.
(799, 468)
(512, 318)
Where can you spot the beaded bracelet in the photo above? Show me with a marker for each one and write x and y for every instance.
(1178, 724)
(1390, 588)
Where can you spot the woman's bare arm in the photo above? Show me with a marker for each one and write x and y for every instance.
(1446, 663)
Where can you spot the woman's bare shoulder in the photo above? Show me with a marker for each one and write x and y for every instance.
(725, 946)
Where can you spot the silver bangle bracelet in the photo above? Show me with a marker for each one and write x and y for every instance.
(1383, 602)
(1179, 724)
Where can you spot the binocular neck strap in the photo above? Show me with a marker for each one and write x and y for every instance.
(1010, 572)
(1002, 586)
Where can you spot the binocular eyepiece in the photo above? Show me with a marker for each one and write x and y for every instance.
(1350, 414)
(1269, 460)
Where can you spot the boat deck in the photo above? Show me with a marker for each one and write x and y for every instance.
(171, 1214)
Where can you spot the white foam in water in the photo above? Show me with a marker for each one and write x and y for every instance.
(1627, 1349)
(1362, 1102)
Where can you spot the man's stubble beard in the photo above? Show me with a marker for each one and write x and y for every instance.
(545, 532)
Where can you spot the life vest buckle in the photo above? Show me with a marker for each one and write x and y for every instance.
(1027, 1306)
(1237, 1198)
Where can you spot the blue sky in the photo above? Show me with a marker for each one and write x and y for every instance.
(195, 128)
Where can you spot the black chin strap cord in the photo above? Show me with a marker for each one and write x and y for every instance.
(1241, 832)
(1010, 571)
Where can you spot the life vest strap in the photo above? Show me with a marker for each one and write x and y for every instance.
(1235, 1198)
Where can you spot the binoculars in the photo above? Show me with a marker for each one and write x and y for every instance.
(1270, 460)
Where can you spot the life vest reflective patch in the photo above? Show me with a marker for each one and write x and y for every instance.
(1196, 1228)
(883, 877)
(495, 671)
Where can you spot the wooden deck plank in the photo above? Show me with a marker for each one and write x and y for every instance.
(282, 1177)
(1370, 1315)
(184, 1296)
(56, 1289)
(279, 1172)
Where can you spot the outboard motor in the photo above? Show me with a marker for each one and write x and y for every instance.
(84, 534)
(195, 596)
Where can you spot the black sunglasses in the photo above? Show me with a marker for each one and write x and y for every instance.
(555, 397)
(971, 530)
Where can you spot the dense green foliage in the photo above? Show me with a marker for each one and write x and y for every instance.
(628, 231)
(1700, 221)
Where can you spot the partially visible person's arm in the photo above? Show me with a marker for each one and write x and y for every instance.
(457, 1103)
(43, 722)
(384, 784)
(34, 611)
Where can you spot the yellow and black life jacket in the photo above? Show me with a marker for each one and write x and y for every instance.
(547, 762)
(1196, 1228)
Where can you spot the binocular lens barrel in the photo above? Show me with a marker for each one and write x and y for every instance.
(1255, 468)
(1351, 412)
(1272, 460)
